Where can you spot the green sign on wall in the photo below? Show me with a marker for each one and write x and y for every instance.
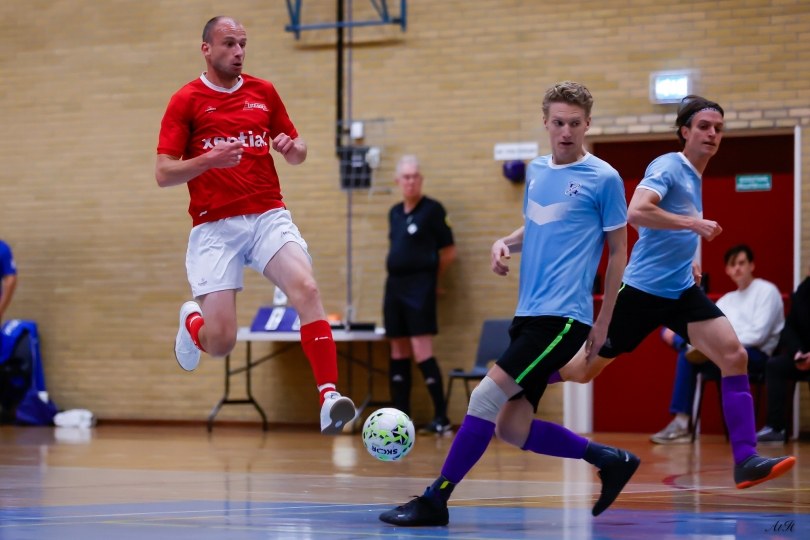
(753, 182)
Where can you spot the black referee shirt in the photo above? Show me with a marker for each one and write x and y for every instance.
(416, 238)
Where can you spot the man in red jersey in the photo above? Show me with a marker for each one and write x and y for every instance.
(215, 137)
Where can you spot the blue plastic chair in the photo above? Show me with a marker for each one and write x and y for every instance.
(492, 342)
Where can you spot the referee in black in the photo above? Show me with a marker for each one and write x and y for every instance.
(420, 250)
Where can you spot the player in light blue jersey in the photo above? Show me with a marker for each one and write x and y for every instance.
(662, 259)
(568, 208)
(661, 284)
(574, 203)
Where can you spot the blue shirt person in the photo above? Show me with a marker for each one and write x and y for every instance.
(8, 277)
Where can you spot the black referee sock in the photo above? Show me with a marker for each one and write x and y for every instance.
(399, 381)
(433, 380)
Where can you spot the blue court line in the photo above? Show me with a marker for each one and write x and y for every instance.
(204, 520)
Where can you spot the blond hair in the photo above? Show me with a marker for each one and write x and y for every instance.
(569, 92)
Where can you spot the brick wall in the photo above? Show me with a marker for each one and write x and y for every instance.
(101, 249)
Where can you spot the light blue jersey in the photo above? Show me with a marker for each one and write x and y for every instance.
(661, 261)
(567, 210)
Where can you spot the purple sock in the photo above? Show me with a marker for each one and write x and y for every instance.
(555, 378)
(553, 440)
(469, 445)
(738, 410)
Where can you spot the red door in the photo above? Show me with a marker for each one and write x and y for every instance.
(633, 393)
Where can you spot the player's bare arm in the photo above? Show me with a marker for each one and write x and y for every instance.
(502, 250)
(293, 150)
(617, 260)
(173, 171)
(697, 273)
(643, 211)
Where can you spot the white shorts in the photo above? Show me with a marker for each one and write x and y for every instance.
(219, 251)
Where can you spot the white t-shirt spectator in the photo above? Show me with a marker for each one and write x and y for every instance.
(756, 313)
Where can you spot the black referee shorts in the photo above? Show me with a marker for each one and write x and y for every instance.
(409, 306)
(638, 313)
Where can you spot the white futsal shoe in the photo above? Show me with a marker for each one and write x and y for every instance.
(336, 412)
(186, 352)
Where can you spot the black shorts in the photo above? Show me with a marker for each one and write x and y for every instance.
(539, 347)
(409, 306)
(638, 313)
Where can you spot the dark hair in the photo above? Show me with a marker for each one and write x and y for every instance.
(209, 27)
(689, 107)
(568, 92)
(733, 251)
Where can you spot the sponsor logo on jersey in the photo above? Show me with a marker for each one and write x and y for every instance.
(573, 188)
(262, 106)
(249, 140)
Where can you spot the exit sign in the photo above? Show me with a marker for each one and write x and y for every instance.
(753, 182)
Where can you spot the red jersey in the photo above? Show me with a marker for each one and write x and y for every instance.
(199, 116)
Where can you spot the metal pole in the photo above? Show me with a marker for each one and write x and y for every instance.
(349, 316)
(339, 80)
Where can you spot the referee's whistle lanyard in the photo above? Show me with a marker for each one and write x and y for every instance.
(410, 225)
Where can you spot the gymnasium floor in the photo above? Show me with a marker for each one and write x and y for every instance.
(131, 482)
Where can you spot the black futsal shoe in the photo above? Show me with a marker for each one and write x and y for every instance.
(757, 469)
(616, 471)
(422, 511)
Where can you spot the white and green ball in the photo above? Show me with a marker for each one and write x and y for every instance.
(388, 434)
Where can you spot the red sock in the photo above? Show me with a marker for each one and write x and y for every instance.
(194, 322)
(318, 345)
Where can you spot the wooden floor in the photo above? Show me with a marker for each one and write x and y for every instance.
(125, 482)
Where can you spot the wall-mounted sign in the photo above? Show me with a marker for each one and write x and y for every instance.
(520, 150)
(753, 182)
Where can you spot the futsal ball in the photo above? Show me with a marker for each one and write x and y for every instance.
(388, 434)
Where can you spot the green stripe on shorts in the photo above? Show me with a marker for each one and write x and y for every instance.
(548, 350)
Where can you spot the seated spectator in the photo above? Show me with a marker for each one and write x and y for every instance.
(9, 395)
(8, 278)
(791, 364)
(755, 311)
